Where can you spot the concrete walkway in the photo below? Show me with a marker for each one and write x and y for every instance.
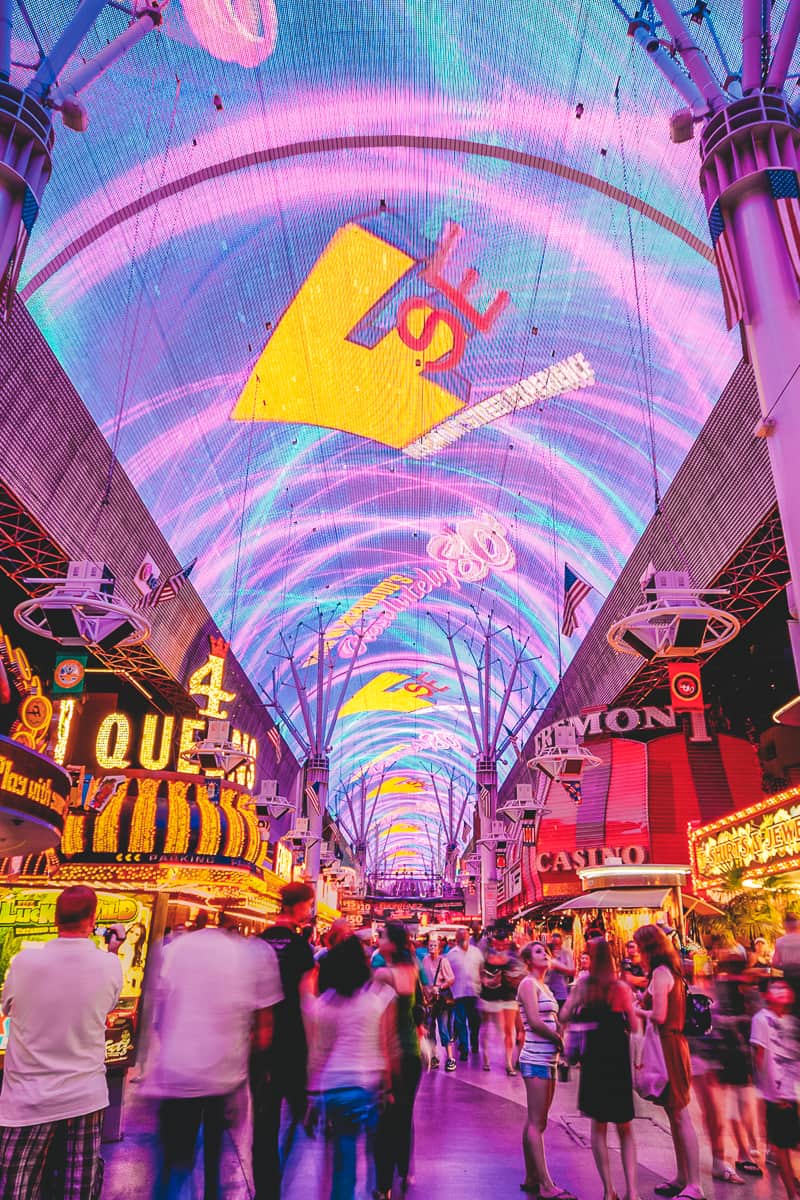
(468, 1147)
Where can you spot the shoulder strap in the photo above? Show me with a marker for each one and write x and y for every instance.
(436, 973)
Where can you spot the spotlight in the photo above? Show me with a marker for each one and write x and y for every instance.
(638, 646)
(579, 111)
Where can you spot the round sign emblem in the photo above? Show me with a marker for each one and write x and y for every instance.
(69, 673)
(686, 686)
(35, 712)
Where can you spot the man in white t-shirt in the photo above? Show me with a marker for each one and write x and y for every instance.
(775, 1047)
(214, 989)
(466, 961)
(57, 997)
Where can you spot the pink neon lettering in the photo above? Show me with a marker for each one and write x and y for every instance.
(433, 274)
(423, 340)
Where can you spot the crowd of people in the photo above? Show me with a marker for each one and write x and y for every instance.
(329, 1041)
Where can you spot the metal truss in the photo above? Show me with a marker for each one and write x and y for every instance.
(27, 549)
(755, 575)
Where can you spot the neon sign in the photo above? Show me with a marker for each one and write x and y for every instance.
(351, 348)
(394, 691)
(32, 726)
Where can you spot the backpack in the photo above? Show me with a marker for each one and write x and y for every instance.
(697, 1022)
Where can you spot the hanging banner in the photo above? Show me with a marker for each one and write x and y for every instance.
(685, 687)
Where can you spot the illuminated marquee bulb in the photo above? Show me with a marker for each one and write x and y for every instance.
(207, 681)
(113, 739)
(151, 759)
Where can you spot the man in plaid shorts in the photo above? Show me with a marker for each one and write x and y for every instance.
(57, 997)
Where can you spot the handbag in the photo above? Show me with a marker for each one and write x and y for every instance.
(649, 1067)
(576, 1039)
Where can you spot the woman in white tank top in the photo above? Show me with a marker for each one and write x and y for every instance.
(538, 1010)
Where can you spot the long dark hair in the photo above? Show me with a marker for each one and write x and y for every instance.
(602, 969)
(346, 967)
(402, 950)
(658, 950)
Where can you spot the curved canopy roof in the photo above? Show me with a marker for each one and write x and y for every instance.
(301, 266)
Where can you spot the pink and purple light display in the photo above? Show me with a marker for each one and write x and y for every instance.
(175, 241)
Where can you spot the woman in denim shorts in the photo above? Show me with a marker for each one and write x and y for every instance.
(538, 1010)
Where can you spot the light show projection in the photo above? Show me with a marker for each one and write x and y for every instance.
(389, 308)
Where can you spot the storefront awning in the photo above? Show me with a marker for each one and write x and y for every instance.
(619, 898)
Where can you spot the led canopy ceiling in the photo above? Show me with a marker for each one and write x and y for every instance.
(389, 308)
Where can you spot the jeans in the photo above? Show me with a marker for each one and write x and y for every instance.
(396, 1124)
(269, 1090)
(467, 1019)
(179, 1123)
(348, 1111)
(440, 1017)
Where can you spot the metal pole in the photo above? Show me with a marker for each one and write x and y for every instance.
(6, 11)
(691, 54)
(669, 68)
(320, 714)
(465, 697)
(146, 22)
(784, 48)
(52, 66)
(752, 41)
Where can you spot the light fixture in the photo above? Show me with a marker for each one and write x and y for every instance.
(674, 620)
(269, 804)
(216, 751)
(564, 759)
(80, 610)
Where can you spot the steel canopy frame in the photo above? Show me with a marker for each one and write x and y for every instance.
(750, 179)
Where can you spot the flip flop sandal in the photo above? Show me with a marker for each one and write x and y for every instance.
(667, 1189)
(748, 1168)
(727, 1175)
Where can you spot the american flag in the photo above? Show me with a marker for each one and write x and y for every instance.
(783, 185)
(168, 588)
(575, 592)
(274, 735)
(726, 266)
(484, 801)
(573, 790)
(312, 797)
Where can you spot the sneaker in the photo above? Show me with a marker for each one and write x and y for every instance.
(434, 1063)
(463, 1056)
(451, 1064)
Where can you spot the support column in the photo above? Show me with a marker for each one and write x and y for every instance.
(751, 159)
(486, 779)
(317, 775)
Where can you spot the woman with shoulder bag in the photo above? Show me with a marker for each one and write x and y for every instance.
(664, 1006)
(538, 1011)
(603, 1005)
(437, 984)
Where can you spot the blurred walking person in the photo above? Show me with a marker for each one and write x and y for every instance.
(603, 1004)
(776, 1049)
(350, 1070)
(466, 961)
(538, 1011)
(395, 1136)
(280, 1072)
(664, 1003)
(215, 991)
(437, 984)
(57, 997)
(500, 977)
